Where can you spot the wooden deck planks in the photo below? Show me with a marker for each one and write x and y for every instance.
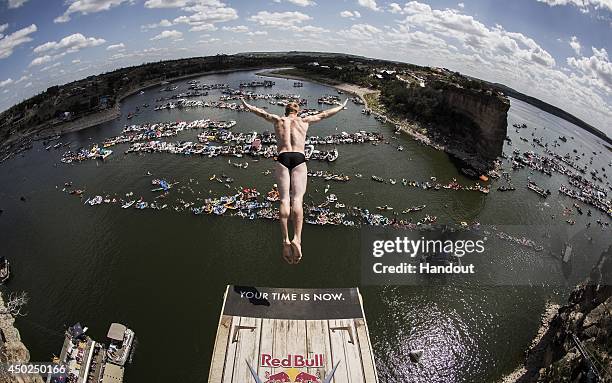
(266, 345)
(220, 349)
(230, 355)
(367, 356)
(338, 353)
(318, 342)
(247, 349)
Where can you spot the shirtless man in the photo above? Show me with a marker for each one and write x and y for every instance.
(290, 171)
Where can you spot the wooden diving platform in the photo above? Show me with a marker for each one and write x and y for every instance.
(270, 335)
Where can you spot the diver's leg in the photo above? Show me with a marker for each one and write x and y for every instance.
(299, 180)
(283, 179)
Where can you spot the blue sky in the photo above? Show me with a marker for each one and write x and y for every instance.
(556, 50)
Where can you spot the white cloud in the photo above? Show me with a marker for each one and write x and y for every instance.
(16, 3)
(301, 3)
(395, 8)
(165, 23)
(208, 41)
(6, 82)
(237, 29)
(371, 4)
(77, 61)
(41, 60)
(3, 28)
(257, 33)
(69, 44)
(166, 3)
(50, 67)
(28, 85)
(279, 19)
(360, 32)
(583, 5)
(173, 34)
(116, 47)
(203, 14)
(286, 21)
(86, 7)
(461, 5)
(203, 28)
(9, 42)
(597, 68)
(575, 44)
(23, 78)
(349, 14)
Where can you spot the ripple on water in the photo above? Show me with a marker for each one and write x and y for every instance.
(449, 338)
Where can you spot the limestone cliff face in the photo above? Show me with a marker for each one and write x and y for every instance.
(488, 111)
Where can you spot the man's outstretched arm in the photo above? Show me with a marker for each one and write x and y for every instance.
(260, 112)
(325, 114)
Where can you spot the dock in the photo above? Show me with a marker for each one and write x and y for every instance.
(269, 335)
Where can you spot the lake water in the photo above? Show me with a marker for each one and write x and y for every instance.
(163, 273)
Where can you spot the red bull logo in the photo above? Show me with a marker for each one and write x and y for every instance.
(292, 374)
(298, 361)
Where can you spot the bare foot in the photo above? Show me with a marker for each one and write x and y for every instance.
(296, 247)
(287, 254)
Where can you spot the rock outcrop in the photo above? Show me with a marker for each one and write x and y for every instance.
(585, 322)
(12, 350)
(488, 112)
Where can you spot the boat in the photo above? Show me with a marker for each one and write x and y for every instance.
(414, 208)
(128, 204)
(5, 270)
(400, 148)
(384, 208)
(537, 189)
(332, 155)
(121, 340)
(332, 198)
(504, 188)
(96, 200)
(378, 179)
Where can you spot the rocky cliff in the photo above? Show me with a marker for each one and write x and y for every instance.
(12, 350)
(582, 327)
(488, 112)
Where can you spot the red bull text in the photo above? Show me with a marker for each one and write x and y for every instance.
(298, 361)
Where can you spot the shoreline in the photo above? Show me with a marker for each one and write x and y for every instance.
(117, 108)
(38, 133)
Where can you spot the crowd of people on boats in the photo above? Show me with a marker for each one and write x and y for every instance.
(146, 138)
(583, 185)
(249, 203)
